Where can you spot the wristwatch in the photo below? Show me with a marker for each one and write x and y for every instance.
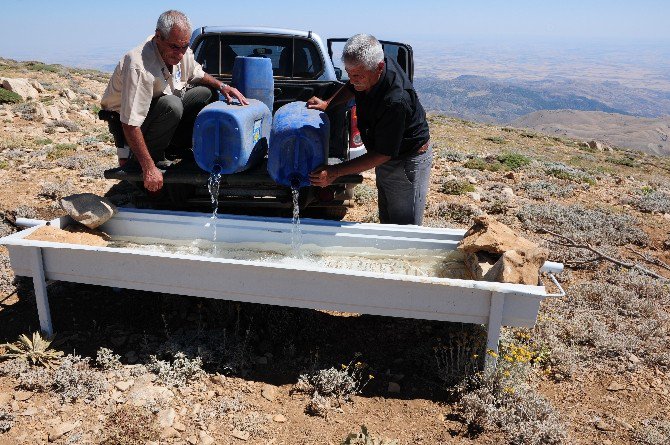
(222, 86)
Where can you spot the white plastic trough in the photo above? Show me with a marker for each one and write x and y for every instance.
(312, 287)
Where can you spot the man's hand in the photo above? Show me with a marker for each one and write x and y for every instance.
(229, 93)
(315, 103)
(324, 176)
(153, 178)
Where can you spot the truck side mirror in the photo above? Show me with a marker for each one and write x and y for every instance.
(338, 73)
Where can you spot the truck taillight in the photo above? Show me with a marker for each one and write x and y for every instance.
(354, 135)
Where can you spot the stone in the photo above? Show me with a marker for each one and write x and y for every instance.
(393, 387)
(35, 84)
(68, 94)
(616, 386)
(179, 427)
(477, 197)
(53, 112)
(29, 412)
(517, 267)
(123, 386)
(88, 209)
(279, 418)
(510, 175)
(507, 192)
(196, 409)
(622, 423)
(489, 235)
(166, 417)
(604, 426)
(41, 112)
(205, 439)
(242, 435)
(471, 179)
(218, 379)
(494, 252)
(596, 145)
(269, 392)
(59, 431)
(5, 399)
(86, 115)
(22, 396)
(169, 433)
(148, 395)
(633, 359)
(21, 87)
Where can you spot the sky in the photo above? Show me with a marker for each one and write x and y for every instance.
(94, 32)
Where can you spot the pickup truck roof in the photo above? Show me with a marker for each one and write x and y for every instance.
(328, 72)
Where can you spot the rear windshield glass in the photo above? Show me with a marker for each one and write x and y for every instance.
(291, 57)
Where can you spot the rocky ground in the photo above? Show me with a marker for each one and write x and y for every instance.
(142, 368)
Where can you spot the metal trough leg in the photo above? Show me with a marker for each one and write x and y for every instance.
(494, 325)
(40, 284)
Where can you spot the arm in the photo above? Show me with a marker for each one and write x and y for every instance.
(153, 178)
(228, 91)
(325, 176)
(342, 95)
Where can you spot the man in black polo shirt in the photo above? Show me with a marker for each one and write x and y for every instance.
(393, 127)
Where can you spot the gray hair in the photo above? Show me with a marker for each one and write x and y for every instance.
(170, 19)
(363, 49)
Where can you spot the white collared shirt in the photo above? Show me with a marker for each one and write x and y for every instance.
(140, 76)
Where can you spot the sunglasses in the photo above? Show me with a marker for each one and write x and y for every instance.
(174, 47)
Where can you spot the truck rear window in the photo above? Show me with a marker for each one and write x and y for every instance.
(291, 57)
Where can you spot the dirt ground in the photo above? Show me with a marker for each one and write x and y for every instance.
(253, 355)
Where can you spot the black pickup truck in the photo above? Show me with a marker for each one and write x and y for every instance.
(303, 66)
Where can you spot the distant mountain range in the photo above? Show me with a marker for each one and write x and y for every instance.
(502, 101)
(651, 135)
(623, 116)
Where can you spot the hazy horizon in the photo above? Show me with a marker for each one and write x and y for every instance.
(96, 35)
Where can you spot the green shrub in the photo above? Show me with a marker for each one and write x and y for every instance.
(60, 151)
(365, 194)
(562, 171)
(501, 399)
(483, 164)
(9, 97)
(450, 155)
(496, 139)
(628, 162)
(39, 66)
(44, 141)
(456, 187)
(513, 161)
(3, 164)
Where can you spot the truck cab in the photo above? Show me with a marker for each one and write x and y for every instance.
(302, 66)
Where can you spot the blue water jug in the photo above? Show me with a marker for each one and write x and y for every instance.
(230, 138)
(253, 77)
(298, 144)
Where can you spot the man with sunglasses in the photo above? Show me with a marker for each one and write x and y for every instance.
(150, 102)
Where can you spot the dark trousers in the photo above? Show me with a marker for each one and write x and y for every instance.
(402, 188)
(168, 126)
